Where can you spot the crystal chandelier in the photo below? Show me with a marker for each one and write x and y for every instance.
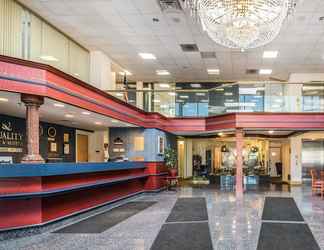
(241, 24)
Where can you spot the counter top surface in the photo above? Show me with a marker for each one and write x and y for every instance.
(52, 169)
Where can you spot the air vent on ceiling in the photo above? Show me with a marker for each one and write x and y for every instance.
(176, 19)
(167, 5)
(252, 71)
(207, 54)
(189, 47)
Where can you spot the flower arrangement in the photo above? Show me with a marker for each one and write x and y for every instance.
(170, 158)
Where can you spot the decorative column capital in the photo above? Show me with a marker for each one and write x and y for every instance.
(32, 99)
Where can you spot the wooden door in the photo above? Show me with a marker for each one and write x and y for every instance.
(82, 148)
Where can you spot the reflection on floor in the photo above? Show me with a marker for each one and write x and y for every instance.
(232, 224)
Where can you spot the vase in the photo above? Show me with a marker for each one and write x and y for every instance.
(173, 172)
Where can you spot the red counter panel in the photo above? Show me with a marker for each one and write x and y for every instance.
(74, 193)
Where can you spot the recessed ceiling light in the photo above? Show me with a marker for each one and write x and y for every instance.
(200, 94)
(2, 99)
(147, 56)
(59, 105)
(270, 54)
(156, 100)
(270, 131)
(122, 73)
(184, 96)
(162, 72)
(48, 58)
(164, 85)
(69, 116)
(213, 71)
(195, 85)
(220, 134)
(172, 93)
(265, 71)
(119, 94)
(86, 113)
(98, 123)
(114, 121)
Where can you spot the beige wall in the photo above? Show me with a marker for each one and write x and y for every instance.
(285, 154)
(296, 154)
(11, 16)
(25, 35)
(101, 75)
(96, 142)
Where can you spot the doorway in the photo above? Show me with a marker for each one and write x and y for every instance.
(82, 148)
(275, 162)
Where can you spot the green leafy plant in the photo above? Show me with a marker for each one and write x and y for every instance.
(170, 158)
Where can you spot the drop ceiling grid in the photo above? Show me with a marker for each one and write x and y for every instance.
(131, 30)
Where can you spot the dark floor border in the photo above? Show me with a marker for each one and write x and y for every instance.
(281, 209)
(101, 222)
(286, 236)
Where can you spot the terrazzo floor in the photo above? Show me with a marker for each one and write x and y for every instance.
(234, 224)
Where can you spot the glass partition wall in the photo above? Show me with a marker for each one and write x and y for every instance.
(208, 99)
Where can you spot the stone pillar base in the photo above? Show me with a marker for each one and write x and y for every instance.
(32, 159)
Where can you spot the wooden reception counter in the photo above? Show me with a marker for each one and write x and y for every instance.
(36, 194)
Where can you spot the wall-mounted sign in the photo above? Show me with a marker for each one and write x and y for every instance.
(160, 145)
(53, 147)
(41, 130)
(66, 149)
(66, 137)
(118, 141)
(9, 135)
(51, 132)
(10, 150)
(118, 150)
(5, 159)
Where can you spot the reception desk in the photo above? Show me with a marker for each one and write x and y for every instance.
(36, 194)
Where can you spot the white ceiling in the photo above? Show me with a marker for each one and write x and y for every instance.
(52, 114)
(123, 28)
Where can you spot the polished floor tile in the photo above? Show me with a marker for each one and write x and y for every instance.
(234, 224)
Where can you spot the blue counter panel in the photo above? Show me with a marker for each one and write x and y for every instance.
(51, 169)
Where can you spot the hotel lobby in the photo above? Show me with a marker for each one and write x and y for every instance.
(162, 124)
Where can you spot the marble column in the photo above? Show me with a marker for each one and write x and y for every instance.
(239, 162)
(32, 103)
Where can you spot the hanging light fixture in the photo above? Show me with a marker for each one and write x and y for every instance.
(242, 24)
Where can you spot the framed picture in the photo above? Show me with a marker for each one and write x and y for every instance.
(53, 147)
(66, 149)
(160, 145)
(66, 137)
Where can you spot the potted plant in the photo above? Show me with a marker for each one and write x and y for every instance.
(170, 159)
